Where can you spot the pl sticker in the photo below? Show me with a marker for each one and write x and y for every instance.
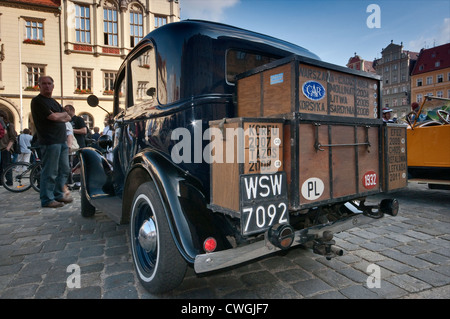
(312, 188)
(313, 90)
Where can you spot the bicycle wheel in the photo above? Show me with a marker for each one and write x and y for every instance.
(35, 176)
(16, 177)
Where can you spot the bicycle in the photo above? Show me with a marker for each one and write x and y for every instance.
(21, 176)
(26, 175)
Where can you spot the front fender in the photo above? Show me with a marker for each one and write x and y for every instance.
(190, 221)
(96, 173)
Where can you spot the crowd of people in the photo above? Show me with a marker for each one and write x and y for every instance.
(59, 132)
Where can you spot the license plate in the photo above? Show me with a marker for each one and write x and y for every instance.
(259, 218)
(263, 202)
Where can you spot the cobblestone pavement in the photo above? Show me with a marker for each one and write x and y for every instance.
(411, 250)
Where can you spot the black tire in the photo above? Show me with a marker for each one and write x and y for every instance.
(35, 177)
(87, 210)
(16, 177)
(159, 266)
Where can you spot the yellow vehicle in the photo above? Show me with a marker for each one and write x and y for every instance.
(428, 143)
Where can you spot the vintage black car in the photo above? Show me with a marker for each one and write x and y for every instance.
(230, 145)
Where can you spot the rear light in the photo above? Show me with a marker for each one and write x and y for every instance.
(209, 245)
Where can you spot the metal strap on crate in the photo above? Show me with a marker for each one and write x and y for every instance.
(318, 146)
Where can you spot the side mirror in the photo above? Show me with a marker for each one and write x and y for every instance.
(92, 100)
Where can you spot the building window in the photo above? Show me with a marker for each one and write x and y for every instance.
(110, 26)
(419, 98)
(83, 81)
(419, 82)
(429, 80)
(143, 60)
(437, 64)
(136, 28)
(394, 102)
(440, 78)
(108, 80)
(160, 21)
(34, 30)
(141, 90)
(440, 94)
(82, 24)
(33, 74)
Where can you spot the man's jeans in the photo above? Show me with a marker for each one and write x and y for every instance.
(55, 170)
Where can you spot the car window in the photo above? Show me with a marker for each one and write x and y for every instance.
(239, 61)
(143, 78)
(119, 92)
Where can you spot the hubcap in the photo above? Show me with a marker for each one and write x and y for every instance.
(147, 236)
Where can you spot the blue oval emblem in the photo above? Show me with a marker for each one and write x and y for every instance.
(313, 90)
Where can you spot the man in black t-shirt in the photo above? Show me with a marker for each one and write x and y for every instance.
(79, 126)
(50, 121)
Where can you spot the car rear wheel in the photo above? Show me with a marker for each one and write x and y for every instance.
(158, 263)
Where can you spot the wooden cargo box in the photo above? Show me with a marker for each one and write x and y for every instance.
(242, 146)
(298, 84)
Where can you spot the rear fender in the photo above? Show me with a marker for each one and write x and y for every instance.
(183, 199)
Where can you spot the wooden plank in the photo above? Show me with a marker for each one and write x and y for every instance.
(313, 97)
(277, 91)
(225, 172)
(313, 164)
(249, 96)
(368, 159)
(395, 162)
(343, 161)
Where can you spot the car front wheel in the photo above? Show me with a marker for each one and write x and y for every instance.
(158, 263)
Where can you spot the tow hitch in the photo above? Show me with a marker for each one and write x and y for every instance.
(324, 246)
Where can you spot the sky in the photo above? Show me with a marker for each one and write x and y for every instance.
(334, 29)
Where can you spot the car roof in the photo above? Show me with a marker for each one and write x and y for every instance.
(186, 29)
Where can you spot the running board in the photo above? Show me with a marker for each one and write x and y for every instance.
(110, 205)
